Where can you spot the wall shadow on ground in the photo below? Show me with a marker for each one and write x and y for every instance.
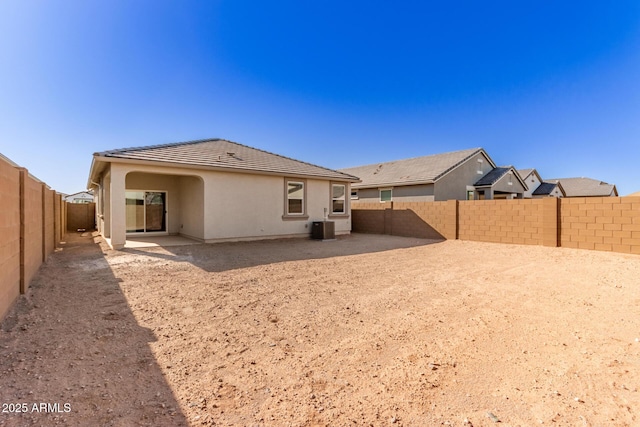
(219, 257)
(74, 339)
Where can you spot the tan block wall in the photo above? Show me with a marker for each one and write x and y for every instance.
(32, 222)
(9, 236)
(368, 217)
(517, 221)
(49, 237)
(28, 221)
(81, 215)
(431, 220)
(601, 223)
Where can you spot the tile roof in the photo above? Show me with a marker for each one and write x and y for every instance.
(425, 169)
(585, 187)
(493, 176)
(545, 188)
(220, 153)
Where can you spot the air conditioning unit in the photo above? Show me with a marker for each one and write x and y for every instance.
(323, 230)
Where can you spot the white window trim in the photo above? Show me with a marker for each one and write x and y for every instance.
(380, 190)
(346, 199)
(295, 216)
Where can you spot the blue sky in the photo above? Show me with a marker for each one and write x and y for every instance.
(545, 84)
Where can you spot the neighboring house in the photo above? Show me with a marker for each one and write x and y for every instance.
(548, 189)
(80, 197)
(532, 178)
(585, 187)
(503, 182)
(636, 194)
(429, 178)
(214, 190)
(537, 187)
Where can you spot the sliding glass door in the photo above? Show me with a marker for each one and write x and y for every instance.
(146, 211)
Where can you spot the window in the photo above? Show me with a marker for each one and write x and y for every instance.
(469, 194)
(480, 161)
(354, 195)
(295, 198)
(338, 198)
(385, 195)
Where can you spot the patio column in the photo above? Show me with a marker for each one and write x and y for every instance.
(117, 206)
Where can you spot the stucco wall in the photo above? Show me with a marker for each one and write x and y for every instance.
(453, 185)
(9, 235)
(191, 206)
(216, 205)
(246, 206)
(405, 193)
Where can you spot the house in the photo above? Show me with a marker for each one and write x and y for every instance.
(213, 190)
(436, 177)
(548, 189)
(79, 197)
(502, 182)
(585, 187)
(539, 188)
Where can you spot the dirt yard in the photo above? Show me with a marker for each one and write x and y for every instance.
(363, 331)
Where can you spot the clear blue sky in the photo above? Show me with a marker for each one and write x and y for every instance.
(546, 84)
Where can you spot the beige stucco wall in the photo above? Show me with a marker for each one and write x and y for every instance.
(215, 205)
(247, 206)
(9, 236)
(191, 209)
(453, 185)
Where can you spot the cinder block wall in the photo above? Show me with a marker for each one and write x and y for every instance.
(9, 235)
(81, 215)
(601, 223)
(501, 221)
(427, 220)
(368, 217)
(49, 236)
(32, 223)
(28, 233)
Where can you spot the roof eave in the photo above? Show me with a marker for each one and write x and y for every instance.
(113, 159)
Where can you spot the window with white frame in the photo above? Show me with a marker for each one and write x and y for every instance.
(295, 198)
(386, 195)
(338, 199)
(354, 195)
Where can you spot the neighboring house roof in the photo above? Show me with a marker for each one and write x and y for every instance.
(636, 194)
(545, 188)
(585, 187)
(493, 176)
(221, 154)
(88, 193)
(524, 173)
(417, 170)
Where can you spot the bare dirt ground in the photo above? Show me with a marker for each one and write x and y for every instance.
(366, 330)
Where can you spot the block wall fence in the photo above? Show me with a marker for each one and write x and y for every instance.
(596, 223)
(32, 225)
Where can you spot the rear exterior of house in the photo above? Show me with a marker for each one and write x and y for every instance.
(214, 190)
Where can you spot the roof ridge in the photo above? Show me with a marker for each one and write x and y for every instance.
(475, 150)
(147, 147)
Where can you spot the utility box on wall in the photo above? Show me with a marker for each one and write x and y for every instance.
(323, 230)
